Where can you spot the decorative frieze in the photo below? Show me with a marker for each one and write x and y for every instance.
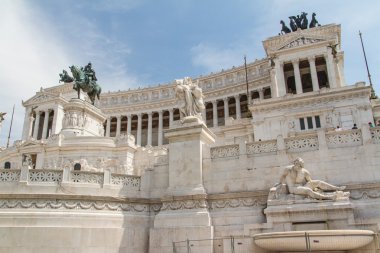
(225, 151)
(237, 203)
(184, 204)
(76, 205)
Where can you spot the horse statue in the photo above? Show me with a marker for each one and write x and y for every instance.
(64, 77)
(284, 29)
(293, 24)
(314, 21)
(85, 80)
(304, 21)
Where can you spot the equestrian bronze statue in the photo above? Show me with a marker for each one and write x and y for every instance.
(84, 79)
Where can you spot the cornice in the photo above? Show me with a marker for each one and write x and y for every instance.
(305, 99)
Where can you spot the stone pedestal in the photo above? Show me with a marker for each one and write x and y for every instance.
(310, 214)
(186, 142)
(82, 119)
(184, 213)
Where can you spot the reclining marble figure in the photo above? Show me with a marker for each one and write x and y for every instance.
(296, 180)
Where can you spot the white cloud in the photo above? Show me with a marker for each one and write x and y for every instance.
(29, 50)
(34, 51)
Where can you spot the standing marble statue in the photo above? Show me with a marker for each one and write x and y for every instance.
(189, 97)
(297, 181)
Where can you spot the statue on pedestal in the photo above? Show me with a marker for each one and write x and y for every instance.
(296, 180)
(27, 161)
(84, 79)
(189, 97)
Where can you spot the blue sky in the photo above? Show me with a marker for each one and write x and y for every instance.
(139, 43)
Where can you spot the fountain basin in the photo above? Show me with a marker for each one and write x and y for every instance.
(314, 240)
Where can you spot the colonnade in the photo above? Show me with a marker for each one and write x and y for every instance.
(38, 129)
(148, 127)
(325, 60)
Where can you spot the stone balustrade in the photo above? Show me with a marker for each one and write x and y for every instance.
(300, 143)
(73, 178)
(375, 135)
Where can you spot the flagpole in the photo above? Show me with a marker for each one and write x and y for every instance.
(10, 127)
(246, 76)
(373, 95)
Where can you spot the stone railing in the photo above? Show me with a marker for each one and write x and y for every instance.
(262, 147)
(45, 176)
(70, 178)
(302, 143)
(7, 175)
(125, 181)
(225, 151)
(86, 177)
(345, 138)
(375, 134)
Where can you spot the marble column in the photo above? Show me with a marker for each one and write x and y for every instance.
(170, 117)
(280, 79)
(313, 72)
(237, 103)
(330, 70)
(226, 111)
(59, 115)
(118, 125)
(45, 127)
(149, 143)
(297, 76)
(31, 121)
(139, 125)
(261, 94)
(129, 124)
(108, 127)
(215, 113)
(36, 125)
(160, 124)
